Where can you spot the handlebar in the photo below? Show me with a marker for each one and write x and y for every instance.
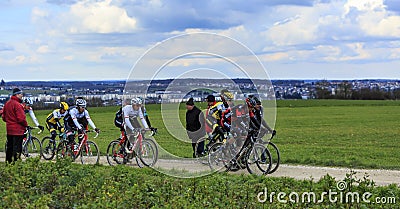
(86, 131)
(29, 128)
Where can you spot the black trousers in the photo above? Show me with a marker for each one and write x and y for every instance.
(200, 147)
(14, 148)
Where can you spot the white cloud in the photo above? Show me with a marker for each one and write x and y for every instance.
(43, 49)
(99, 17)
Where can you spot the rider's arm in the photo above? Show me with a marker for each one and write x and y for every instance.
(146, 116)
(142, 119)
(32, 114)
(73, 113)
(127, 121)
(56, 119)
(89, 120)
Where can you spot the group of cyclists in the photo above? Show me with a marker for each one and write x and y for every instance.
(222, 118)
(234, 122)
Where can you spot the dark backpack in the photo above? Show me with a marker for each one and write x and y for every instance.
(118, 120)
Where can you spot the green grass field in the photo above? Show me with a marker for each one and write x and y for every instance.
(357, 134)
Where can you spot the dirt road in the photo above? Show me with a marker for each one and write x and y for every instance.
(187, 166)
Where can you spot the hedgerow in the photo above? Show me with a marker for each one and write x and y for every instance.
(62, 184)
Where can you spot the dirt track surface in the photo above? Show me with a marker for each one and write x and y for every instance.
(300, 172)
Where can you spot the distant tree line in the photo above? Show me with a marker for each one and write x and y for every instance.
(345, 90)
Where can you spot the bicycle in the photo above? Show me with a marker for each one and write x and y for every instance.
(212, 139)
(275, 154)
(49, 146)
(253, 156)
(144, 150)
(31, 146)
(87, 150)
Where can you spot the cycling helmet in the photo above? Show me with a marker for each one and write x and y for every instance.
(70, 101)
(210, 98)
(64, 106)
(80, 103)
(251, 102)
(136, 101)
(140, 100)
(226, 94)
(28, 101)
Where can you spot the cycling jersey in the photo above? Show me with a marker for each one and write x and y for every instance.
(73, 117)
(129, 112)
(53, 119)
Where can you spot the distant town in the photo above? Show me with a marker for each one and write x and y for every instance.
(110, 93)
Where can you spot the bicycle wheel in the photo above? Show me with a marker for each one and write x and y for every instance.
(115, 153)
(276, 156)
(32, 148)
(90, 153)
(148, 154)
(64, 151)
(258, 160)
(48, 148)
(216, 157)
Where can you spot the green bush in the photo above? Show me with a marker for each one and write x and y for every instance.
(62, 184)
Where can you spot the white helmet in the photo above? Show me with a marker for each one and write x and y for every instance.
(28, 101)
(140, 99)
(81, 103)
(136, 101)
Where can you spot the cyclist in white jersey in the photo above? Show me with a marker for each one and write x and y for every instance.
(27, 104)
(131, 113)
(77, 119)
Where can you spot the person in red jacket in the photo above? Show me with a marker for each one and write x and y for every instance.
(14, 116)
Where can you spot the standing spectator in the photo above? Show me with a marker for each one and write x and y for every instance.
(14, 116)
(193, 126)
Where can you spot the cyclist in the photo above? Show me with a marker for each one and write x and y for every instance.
(77, 116)
(53, 120)
(145, 115)
(226, 114)
(259, 114)
(253, 126)
(27, 104)
(213, 118)
(131, 113)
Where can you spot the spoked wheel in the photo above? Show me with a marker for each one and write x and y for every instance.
(148, 153)
(115, 153)
(258, 160)
(217, 159)
(64, 151)
(32, 148)
(276, 156)
(48, 148)
(90, 153)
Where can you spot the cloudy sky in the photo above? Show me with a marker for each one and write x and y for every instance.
(293, 39)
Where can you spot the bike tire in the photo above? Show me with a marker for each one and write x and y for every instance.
(276, 157)
(258, 160)
(216, 157)
(32, 148)
(89, 153)
(115, 153)
(64, 151)
(148, 154)
(48, 148)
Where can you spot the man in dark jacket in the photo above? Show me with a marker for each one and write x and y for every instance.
(195, 130)
(14, 116)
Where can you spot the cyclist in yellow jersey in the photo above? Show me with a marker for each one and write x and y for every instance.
(53, 120)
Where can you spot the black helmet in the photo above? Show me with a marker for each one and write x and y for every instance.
(210, 98)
